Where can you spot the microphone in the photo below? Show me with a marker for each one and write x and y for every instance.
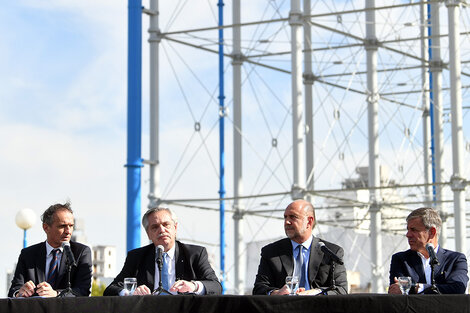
(68, 253)
(432, 254)
(160, 256)
(325, 250)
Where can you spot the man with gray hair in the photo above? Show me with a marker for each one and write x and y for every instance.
(450, 274)
(186, 268)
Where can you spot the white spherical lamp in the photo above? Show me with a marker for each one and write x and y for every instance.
(25, 219)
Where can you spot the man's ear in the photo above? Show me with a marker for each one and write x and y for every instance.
(432, 232)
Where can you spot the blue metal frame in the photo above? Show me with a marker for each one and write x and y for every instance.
(134, 123)
(220, 4)
(431, 108)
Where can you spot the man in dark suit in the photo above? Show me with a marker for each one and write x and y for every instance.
(42, 270)
(300, 255)
(450, 275)
(187, 270)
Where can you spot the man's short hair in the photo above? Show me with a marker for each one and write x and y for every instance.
(48, 216)
(429, 216)
(145, 220)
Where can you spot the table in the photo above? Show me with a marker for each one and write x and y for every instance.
(382, 303)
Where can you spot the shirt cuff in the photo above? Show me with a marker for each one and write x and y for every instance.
(200, 289)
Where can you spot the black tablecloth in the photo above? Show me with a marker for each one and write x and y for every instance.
(244, 304)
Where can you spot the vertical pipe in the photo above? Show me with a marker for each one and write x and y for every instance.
(222, 113)
(237, 150)
(25, 242)
(425, 107)
(308, 85)
(457, 180)
(134, 108)
(373, 133)
(154, 162)
(437, 144)
(298, 126)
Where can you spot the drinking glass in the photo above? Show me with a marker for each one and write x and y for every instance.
(292, 283)
(405, 284)
(130, 283)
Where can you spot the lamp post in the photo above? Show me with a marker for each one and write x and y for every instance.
(25, 219)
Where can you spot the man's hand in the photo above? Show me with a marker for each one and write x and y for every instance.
(45, 290)
(142, 290)
(183, 286)
(283, 291)
(27, 290)
(394, 288)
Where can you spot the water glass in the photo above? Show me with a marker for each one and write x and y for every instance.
(130, 284)
(405, 284)
(292, 283)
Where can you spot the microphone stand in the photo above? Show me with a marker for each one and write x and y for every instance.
(68, 292)
(333, 282)
(433, 287)
(160, 290)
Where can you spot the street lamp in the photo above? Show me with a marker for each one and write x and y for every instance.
(25, 219)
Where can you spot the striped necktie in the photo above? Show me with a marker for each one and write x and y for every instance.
(53, 269)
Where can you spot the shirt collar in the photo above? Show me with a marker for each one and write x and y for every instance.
(171, 252)
(49, 248)
(307, 243)
(423, 257)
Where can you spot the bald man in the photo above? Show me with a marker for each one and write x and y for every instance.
(279, 259)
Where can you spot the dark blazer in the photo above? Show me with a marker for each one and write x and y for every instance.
(191, 264)
(32, 265)
(277, 262)
(450, 276)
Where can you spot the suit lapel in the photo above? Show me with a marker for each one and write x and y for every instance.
(314, 261)
(287, 258)
(179, 262)
(417, 265)
(441, 257)
(41, 263)
(149, 267)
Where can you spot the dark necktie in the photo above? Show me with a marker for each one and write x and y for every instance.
(53, 269)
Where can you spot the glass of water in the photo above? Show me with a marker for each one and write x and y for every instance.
(405, 284)
(292, 283)
(130, 283)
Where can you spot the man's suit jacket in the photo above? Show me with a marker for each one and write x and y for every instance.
(32, 265)
(450, 276)
(191, 263)
(277, 262)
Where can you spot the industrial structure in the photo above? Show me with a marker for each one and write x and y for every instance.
(299, 99)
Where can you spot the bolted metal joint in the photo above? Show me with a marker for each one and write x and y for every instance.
(457, 183)
(309, 78)
(454, 3)
(297, 192)
(436, 66)
(371, 44)
(295, 18)
(238, 58)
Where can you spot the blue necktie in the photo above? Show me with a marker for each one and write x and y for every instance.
(165, 275)
(53, 269)
(301, 268)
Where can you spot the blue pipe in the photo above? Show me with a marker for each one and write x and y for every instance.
(221, 143)
(25, 243)
(431, 109)
(134, 123)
